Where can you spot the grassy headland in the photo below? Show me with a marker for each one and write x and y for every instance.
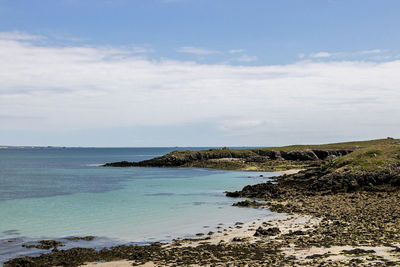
(264, 159)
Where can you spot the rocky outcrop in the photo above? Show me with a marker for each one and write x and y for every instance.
(320, 181)
(182, 158)
(248, 203)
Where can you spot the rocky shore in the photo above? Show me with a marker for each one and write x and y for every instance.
(340, 211)
(240, 159)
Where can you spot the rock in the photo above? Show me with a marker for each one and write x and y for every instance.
(318, 256)
(45, 244)
(397, 249)
(247, 203)
(181, 158)
(357, 251)
(297, 232)
(267, 232)
(85, 238)
(240, 239)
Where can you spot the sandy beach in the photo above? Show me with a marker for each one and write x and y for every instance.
(287, 224)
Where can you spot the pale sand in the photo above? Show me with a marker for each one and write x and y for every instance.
(336, 252)
(122, 263)
(246, 231)
(292, 171)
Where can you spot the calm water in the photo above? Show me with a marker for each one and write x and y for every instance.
(55, 193)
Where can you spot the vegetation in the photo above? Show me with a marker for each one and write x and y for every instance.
(368, 155)
(269, 166)
(354, 145)
(358, 156)
(372, 158)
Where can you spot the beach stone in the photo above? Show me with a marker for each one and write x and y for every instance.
(45, 244)
(267, 232)
(358, 251)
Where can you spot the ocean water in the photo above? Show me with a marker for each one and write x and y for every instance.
(51, 193)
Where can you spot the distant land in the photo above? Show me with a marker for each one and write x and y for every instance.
(263, 159)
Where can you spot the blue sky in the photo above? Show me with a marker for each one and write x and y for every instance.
(197, 72)
(275, 32)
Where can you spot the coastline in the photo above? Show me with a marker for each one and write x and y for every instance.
(341, 212)
(232, 234)
(302, 239)
(287, 224)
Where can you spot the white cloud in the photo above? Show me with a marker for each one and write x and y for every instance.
(141, 50)
(238, 124)
(373, 51)
(195, 50)
(363, 54)
(236, 51)
(20, 36)
(82, 87)
(321, 55)
(247, 58)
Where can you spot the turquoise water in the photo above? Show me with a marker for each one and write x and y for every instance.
(55, 193)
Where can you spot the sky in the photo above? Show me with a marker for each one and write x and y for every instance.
(136, 73)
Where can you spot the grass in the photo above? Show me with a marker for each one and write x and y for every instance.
(256, 151)
(367, 156)
(374, 158)
(344, 145)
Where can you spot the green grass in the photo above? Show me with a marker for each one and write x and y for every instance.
(246, 152)
(374, 158)
(344, 145)
(368, 155)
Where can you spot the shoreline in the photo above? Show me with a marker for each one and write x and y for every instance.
(343, 211)
(292, 171)
(287, 224)
(287, 244)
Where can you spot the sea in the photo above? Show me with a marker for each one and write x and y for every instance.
(54, 193)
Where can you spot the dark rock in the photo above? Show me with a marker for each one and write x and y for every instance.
(297, 232)
(267, 232)
(318, 256)
(232, 194)
(357, 251)
(85, 238)
(45, 244)
(240, 239)
(181, 158)
(247, 203)
(397, 249)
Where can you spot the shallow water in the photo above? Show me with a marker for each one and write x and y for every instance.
(54, 193)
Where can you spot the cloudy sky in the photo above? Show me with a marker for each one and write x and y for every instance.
(198, 72)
